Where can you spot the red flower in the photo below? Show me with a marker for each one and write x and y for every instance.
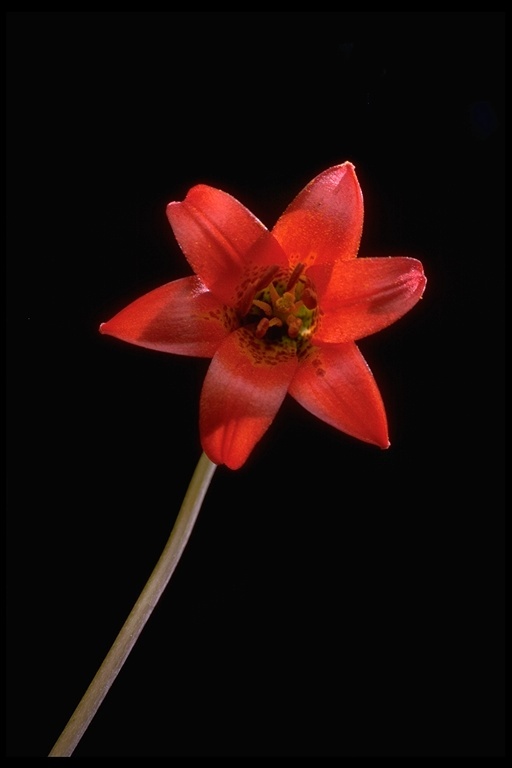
(277, 311)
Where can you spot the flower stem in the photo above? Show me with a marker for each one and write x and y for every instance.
(141, 611)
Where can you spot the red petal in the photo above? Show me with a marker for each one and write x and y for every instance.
(245, 385)
(336, 384)
(181, 317)
(325, 221)
(366, 295)
(216, 234)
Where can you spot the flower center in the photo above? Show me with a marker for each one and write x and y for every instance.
(282, 306)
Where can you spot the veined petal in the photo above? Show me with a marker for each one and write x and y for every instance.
(217, 234)
(244, 387)
(335, 384)
(181, 317)
(325, 221)
(365, 295)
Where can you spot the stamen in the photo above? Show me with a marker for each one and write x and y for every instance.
(264, 324)
(252, 289)
(263, 305)
(274, 296)
(262, 328)
(294, 276)
(279, 307)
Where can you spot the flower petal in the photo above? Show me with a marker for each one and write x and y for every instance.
(325, 221)
(244, 387)
(335, 384)
(181, 317)
(218, 235)
(365, 295)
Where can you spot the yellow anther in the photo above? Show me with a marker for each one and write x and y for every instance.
(263, 305)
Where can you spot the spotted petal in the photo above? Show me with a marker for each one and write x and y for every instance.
(244, 387)
(325, 221)
(181, 317)
(335, 384)
(365, 295)
(220, 238)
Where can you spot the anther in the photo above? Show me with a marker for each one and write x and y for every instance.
(262, 328)
(267, 309)
(294, 276)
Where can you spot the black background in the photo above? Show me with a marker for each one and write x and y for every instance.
(334, 599)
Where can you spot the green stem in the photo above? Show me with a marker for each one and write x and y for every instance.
(141, 611)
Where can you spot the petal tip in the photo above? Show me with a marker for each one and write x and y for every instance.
(381, 440)
(343, 168)
(170, 208)
(348, 165)
(106, 329)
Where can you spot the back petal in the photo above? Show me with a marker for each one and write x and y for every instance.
(325, 221)
(216, 234)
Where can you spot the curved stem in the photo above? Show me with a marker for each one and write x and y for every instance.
(141, 611)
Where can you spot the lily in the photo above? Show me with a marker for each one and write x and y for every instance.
(278, 312)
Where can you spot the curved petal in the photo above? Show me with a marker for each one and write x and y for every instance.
(181, 317)
(218, 235)
(244, 387)
(335, 384)
(366, 295)
(325, 221)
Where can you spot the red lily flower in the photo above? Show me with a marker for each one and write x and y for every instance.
(277, 311)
